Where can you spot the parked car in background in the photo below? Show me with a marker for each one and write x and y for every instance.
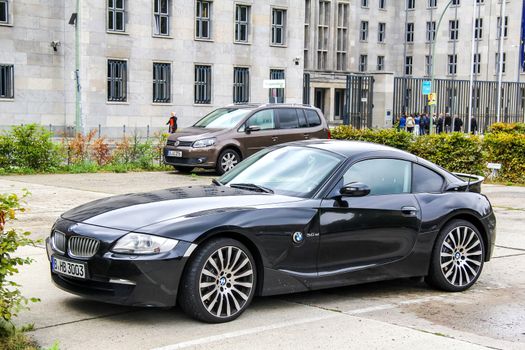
(227, 135)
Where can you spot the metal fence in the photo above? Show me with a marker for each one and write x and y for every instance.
(453, 98)
(359, 101)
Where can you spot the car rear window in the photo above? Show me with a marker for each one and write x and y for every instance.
(312, 117)
(426, 180)
(288, 118)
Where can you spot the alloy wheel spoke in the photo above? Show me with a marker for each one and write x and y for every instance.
(213, 302)
(209, 294)
(235, 302)
(448, 246)
(221, 259)
(214, 264)
(244, 274)
(244, 296)
(474, 272)
(443, 265)
(208, 273)
(206, 284)
(228, 309)
(475, 262)
(477, 252)
(235, 260)
(476, 243)
(243, 284)
(240, 266)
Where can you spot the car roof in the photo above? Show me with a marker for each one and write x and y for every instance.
(273, 105)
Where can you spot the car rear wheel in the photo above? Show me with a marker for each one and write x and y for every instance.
(457, 258)
(183, 169)
(227, 160)
(219, 283)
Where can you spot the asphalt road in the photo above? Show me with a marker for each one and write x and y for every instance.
(395, 314)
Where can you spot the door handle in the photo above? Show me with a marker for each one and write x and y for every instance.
(409, 211)
(275, 138)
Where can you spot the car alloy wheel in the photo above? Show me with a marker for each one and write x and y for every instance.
(226, 281)
(461, 256)
(457, 258)
(227, 161)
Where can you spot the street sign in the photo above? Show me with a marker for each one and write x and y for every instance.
(432, 97)
(426, 87)
(493, 166)
(274, 84)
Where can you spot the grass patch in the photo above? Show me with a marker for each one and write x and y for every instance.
(18, 340)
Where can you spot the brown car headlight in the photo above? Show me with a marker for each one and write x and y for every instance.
(204, 143)
(141, 244)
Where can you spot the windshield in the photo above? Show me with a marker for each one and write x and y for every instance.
(293, 171)
(222, 118)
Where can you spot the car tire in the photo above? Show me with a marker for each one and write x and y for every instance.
(183, 169)
(457, 258)
(227, 160)
(219, 282)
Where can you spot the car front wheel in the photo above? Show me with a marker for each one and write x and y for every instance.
(227, 160)
(457, 258)
(219, 283)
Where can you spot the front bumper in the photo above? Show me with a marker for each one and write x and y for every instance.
(127, 280)
(191, 157)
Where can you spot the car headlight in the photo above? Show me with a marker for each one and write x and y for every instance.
(137, 243)
(204, 143)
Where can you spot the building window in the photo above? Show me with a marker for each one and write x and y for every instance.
(382, 4)
(453, 29)
(242, 23)
(431, 31)
(7, 81)
(411, 4)
(117, 80)
(203, 19)
(455, 3)
(410, 33)
(307, 13)
(428, 65)
(363, 35)
(322, 34)
(505, 27)
(504, 59)
(363, 63)
(241, 85)
(381, 32)
(4, 11)
(161, 17)
(432, 3)
(161, 82)
(116, 16)
(478, 28)
(278, 27)
(380, 63)
(342, 36)
(452, 64)
(276, 95)
(476, 65)
(480, 1)
(364, 3)
(408, 65)
(202, 84)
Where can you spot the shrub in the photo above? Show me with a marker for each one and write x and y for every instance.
(509, 150)
(11, 299)
(78, 147)
(390, 137)
(100, 151)
(512, 128)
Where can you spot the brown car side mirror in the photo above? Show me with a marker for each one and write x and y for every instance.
(251, 128)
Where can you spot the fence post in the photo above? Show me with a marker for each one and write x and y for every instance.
(99, 130)
(124, 130)
(147, 132)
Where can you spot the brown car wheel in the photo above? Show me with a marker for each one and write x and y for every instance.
(227, 160)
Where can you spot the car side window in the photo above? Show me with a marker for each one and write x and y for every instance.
(303, 123)
(264, 119)
(312, 117)
(383, 176)
(426, 180)
(288, 118)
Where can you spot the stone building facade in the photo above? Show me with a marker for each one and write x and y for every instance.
(140, 60)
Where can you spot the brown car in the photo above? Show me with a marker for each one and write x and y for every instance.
(227, 135)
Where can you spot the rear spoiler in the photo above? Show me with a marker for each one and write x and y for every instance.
(471, 183)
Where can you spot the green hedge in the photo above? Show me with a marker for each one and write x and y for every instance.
(456, 152)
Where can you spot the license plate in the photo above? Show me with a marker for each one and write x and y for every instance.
(68, 268)
(172, 153)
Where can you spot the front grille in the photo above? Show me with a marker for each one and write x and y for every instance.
(179, 143)
(83, 247)
(59, 241)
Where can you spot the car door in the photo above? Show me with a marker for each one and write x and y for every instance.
(291, 125)
(363, 232)
(254, 141)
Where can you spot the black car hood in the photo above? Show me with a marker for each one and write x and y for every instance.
(132, 211)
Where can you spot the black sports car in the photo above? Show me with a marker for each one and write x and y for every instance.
(291, 218)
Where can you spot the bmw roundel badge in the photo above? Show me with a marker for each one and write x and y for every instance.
(298, 237)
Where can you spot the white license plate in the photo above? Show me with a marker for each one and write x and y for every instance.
(177, 154)
(69, 268)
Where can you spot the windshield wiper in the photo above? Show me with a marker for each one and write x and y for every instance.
(252, 187)
(216, 182)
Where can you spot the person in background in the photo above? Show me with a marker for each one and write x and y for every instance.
(440, 123)
(402, 123)
(458, 123)
(426, 124)
(448, 123)
(473, 125)
(417, 125)
(410, 123)
(172, 123)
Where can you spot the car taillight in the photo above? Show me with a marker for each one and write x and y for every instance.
(329, 134)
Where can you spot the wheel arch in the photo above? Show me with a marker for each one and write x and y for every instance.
(474, 220)
(234, 147)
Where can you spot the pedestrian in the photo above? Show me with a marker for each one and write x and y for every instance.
(448, 123)
(417, 125)
(426, 124)
(172, 123)
(458, 123)
(402, 123)
(440, 124)
(473, 125)
(410, 123)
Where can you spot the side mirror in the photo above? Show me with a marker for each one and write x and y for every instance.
(355, 189)
(251, 128)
